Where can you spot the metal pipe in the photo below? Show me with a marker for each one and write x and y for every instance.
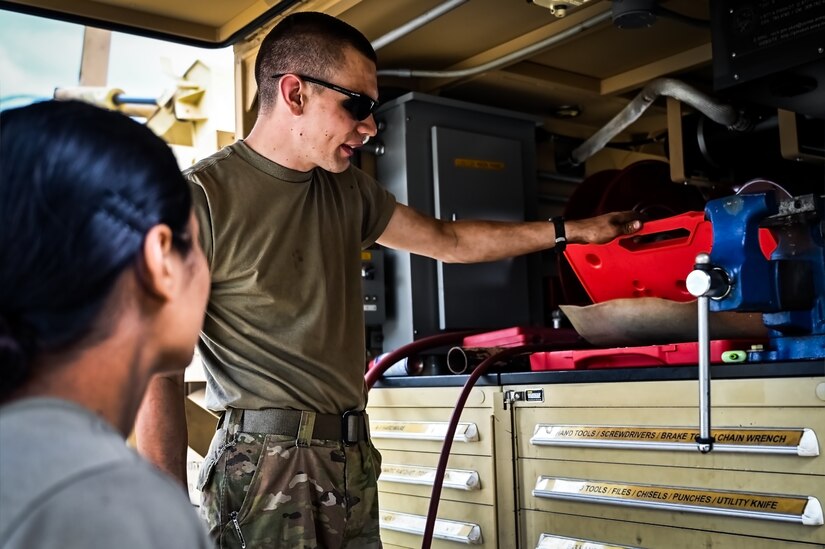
(505, 60)
(461, 359)
(413, 24)
(705, 282)
(120, 99)
(703, 441)
(412, 349)
(725, 115)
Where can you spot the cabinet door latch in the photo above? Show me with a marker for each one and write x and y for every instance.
(528, 395)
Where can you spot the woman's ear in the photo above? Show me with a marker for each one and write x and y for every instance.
(159, 269)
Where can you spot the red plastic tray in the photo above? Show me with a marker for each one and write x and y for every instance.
(520, 335)
(631, 357)
(651, 263)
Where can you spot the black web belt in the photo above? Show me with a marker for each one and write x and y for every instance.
(349, 427)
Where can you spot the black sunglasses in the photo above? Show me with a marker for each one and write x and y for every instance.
(359, 106)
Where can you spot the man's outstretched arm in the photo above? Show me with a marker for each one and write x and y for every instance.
(160, 426)
(472, 241)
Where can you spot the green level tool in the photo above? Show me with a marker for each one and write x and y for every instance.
(734, 356)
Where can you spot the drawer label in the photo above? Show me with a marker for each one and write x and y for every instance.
(422, 430)
(801, 441)
(785, 508)
(458, 479)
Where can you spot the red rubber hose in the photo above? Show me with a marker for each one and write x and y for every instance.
(441, 469)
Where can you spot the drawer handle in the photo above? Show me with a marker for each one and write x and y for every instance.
(458, 479)
(547, 541)
(463, 532)
(422, 430)
(804, 510)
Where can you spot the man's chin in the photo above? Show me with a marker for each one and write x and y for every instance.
(340, 166)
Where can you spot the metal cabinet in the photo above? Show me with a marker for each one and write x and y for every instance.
(457, 160)
(477, 504)
(615, 464)
(611, 462)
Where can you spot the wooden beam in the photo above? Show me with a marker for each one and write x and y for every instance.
(638, 77)
(94, 62)
(543, 76)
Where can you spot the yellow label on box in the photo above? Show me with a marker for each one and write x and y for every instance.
(476, 164)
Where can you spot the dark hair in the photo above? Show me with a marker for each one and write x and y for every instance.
(80, 188)
(310, 43)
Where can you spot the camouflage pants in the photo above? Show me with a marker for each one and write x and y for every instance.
(263, 490)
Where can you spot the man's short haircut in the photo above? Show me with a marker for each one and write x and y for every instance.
(310, 43)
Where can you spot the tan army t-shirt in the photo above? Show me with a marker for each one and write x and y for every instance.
(284, 327)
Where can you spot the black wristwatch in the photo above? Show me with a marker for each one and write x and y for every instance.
(561, 237)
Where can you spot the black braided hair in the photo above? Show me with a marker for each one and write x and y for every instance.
(79, 189)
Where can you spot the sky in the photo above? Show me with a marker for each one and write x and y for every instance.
(37, 55)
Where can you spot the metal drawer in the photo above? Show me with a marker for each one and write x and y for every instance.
(462, 515)
(412, 473)
(662, 478)
(611, 533)
(422, 429)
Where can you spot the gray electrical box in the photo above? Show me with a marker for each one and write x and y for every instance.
(456, 160)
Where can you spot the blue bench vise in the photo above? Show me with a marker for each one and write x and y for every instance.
(789, 288)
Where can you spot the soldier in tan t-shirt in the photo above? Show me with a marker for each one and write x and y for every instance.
(283, 217)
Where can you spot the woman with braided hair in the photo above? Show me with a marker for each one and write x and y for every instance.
(103, 285)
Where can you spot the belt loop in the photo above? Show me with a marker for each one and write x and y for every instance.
(305, 429)
(233, 421)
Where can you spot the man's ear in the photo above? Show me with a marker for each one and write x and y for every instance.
(158, 277)
(291, 94)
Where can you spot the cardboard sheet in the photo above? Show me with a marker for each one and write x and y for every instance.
(656, 321)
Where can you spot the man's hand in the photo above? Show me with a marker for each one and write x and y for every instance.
(603, 228)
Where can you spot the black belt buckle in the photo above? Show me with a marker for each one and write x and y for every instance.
(350, 423)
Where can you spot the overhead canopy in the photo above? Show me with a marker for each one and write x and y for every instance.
(584, 73)
(204, 23)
